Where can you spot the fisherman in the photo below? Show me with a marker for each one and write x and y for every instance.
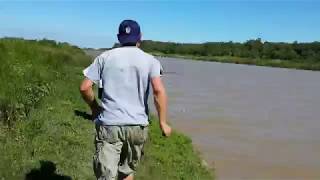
(125, 74)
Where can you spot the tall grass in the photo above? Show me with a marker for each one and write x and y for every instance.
(38, 96)
(27, 71)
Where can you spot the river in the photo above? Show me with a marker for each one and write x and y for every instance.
(248, 122)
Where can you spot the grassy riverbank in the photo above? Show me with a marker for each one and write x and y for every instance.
(306, 65)
(44, 126)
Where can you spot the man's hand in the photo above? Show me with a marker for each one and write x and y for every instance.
(88, 95)
(160, 101)
(166, 129)
(95, 111)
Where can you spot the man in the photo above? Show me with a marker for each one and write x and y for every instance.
(122, 120)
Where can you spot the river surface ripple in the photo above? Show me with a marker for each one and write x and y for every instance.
(248, 122)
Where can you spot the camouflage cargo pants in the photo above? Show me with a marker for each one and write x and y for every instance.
(118, 149)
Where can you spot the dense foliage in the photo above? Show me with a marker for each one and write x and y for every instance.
(27, 71)
(40, 81)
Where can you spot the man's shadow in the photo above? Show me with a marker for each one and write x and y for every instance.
(46, 171)
(83, 114)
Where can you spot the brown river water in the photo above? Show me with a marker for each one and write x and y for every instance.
(248, 122)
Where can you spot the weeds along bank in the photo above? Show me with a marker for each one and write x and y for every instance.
(171, 158)
(38, 97)
(44, 128)
(28, 70)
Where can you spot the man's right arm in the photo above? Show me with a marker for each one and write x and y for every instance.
(160, 102)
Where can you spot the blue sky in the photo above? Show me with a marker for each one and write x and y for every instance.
(95, 23)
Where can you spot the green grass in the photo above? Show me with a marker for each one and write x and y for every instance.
(298, 64)
(171, 158)
(39, 126)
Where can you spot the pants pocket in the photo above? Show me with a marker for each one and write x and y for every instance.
(139, 135)
(109, 134)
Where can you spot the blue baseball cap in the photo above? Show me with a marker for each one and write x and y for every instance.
(129, 32)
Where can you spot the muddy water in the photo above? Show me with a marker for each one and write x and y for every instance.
(248, 122)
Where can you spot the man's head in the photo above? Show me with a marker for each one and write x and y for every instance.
(129, 32)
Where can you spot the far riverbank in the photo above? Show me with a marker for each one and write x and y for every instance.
(304, 65)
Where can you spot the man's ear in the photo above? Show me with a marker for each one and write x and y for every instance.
(139, 42)
(118, 38)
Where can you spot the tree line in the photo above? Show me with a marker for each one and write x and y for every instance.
(256, 48)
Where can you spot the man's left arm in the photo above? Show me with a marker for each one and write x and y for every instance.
(93, 75)
(89, 97)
